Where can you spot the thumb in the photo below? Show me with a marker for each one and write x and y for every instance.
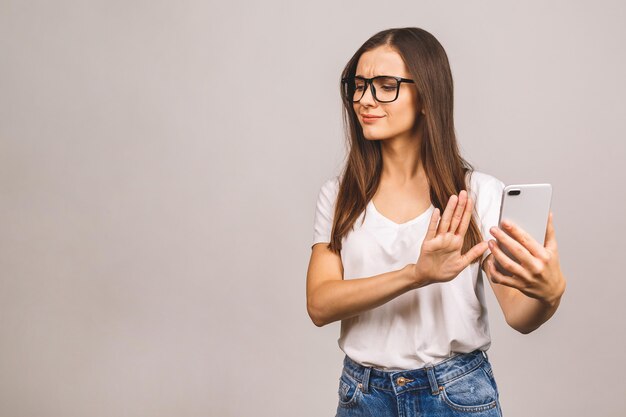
(475, 252)
(550, 238)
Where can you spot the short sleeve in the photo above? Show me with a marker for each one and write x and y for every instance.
(324, 211)
(488, 199)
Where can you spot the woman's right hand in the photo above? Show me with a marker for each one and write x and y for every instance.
(440, 258)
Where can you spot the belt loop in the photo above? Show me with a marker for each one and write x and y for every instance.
(432, 379)
(366, 379)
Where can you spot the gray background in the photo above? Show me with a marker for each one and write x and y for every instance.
(160, 163)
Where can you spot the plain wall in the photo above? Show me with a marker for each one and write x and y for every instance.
(159, 166)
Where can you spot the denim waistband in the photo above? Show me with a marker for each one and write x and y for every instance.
(430, 376)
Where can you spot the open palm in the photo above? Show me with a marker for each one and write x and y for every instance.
(440, 257)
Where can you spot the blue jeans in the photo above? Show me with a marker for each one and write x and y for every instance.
(463, 385)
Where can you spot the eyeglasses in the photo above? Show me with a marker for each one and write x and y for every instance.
(384, 88)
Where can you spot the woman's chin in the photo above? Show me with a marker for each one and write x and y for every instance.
(370, 136)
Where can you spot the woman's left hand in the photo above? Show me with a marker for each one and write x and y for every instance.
(538, 273)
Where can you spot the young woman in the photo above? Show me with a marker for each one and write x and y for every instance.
(400, 238)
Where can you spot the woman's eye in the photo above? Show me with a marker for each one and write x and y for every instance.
(388, 88)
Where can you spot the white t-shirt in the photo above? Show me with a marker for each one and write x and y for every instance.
(421, 326)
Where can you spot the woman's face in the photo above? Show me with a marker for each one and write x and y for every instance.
(398, 117)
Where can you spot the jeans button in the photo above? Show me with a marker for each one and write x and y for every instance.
(401, 381)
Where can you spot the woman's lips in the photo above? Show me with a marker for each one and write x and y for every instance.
(371, 119)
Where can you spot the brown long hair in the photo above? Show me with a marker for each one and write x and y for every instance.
(445, 168)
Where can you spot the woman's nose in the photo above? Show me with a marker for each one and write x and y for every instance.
(368, 98)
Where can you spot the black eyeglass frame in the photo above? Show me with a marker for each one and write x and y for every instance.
(400, 80)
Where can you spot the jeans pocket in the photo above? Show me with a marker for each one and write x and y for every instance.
(473, 392)
(349, 391)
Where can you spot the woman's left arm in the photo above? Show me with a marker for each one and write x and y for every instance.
(537, 276)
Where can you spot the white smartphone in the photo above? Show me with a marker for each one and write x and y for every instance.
(528, 206)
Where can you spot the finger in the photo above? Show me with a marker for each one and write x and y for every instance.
(467, 217)
(501, 279)
(521, 238)
(432, 226)
(458, 211)
(444, 224)
(550, 239)
(476, 251)
(507, 263)
(484, 264)
(515, 248)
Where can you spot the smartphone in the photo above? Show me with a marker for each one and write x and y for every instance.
(528, 206)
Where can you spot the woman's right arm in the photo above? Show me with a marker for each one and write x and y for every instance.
(331, 298)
